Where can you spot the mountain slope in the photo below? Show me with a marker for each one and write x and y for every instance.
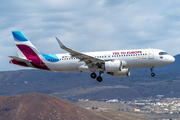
(37, 106)
(41, 106)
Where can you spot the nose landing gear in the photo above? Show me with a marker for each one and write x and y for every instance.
(152, 73)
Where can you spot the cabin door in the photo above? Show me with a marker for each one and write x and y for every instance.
(151, 54)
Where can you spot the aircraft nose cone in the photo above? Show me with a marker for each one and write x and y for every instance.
(172, 59)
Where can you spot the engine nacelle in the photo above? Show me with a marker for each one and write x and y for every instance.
(123, 73)
(113, 66)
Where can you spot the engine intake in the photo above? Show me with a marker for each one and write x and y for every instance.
(112, 66)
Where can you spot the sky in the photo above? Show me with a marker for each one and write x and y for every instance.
(89, 25)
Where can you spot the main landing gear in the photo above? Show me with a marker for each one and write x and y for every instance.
(152, 73)
(99, 78)
(93, 75)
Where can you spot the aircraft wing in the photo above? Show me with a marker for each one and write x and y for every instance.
(89, 60)
(19, 59)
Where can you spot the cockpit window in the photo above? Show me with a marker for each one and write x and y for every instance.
(163, 53)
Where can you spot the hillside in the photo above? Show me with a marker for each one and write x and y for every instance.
(37, 106)
(41, 106)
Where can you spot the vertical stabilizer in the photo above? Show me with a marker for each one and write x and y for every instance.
(29, 55)
(25, 48)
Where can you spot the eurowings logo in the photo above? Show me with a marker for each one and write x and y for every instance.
(161, 57)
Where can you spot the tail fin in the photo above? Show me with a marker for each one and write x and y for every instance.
(25, 48)
(29, 55)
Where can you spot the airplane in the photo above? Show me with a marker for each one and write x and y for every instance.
(116, 63)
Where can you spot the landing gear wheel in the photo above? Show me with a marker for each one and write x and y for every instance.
(99, 79)
(93, 75)
(152, 74)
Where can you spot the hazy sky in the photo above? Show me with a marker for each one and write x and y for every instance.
(89, 25)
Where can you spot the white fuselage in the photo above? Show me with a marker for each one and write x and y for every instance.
(132, 58)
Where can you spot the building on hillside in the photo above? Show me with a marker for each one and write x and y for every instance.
(137, 110)
(112, 100)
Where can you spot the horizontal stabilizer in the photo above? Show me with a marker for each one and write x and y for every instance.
(19, 59)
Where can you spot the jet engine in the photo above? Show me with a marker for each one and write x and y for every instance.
(114, 66)
(123, 73)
